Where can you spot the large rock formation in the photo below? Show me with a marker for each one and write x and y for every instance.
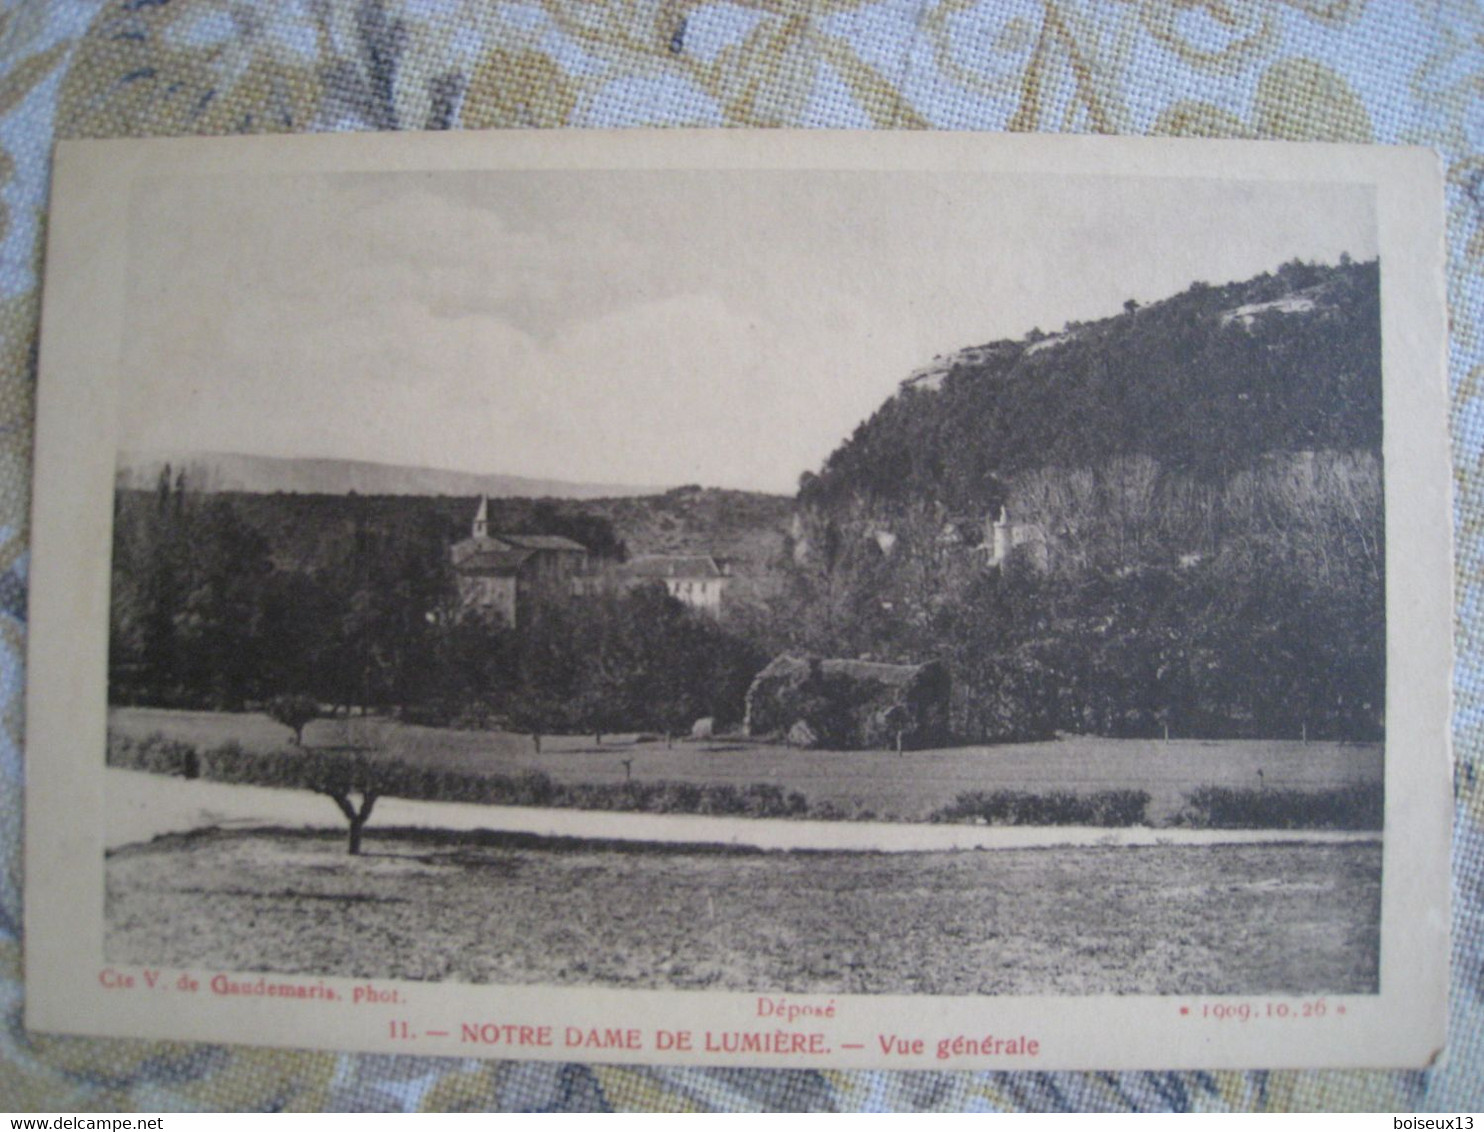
(850, 704)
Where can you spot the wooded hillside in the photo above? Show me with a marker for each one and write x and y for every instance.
(1207, 382)
(1195, 487)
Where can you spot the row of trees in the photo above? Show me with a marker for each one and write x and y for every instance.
(205, 614)
(1152, 601)
(1145, 599)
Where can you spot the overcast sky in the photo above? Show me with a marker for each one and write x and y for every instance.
(724, 328)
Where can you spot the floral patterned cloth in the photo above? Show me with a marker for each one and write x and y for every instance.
(1387, 71)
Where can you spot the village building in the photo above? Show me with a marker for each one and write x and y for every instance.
(499, 573)
(996, 539)
(1007, 537)
(698, 580)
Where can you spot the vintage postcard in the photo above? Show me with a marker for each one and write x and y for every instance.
(814, 600)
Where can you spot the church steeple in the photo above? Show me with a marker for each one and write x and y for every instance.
(482, 518)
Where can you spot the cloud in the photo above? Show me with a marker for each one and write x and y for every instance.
(647, 326)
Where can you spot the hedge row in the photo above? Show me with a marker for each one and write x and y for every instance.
(155, 754)
(1058, 807)
(343, 773)
(1358, 807)
(337, 772)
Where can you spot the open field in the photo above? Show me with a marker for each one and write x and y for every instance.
(860, 783)
(516, 909)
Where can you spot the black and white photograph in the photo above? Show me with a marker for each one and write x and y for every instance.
(782, 580)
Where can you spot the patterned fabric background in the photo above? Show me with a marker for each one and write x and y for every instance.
(1387, 71)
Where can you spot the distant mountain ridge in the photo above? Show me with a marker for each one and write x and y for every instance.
(213, 472)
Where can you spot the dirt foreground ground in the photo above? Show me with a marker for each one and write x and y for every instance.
(504, 908)
(241, 878)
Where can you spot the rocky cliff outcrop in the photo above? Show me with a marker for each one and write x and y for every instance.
(850, 704)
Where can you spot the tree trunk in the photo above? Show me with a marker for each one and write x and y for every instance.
(356, 817)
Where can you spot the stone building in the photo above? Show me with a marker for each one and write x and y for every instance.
(500, 573)
(1006, 537)
(997, 538)
(699, 580)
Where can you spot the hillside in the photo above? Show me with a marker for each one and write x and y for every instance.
(1207, 382)
(743, 526)
(308, 531)
(236, 472)
(1192, 534)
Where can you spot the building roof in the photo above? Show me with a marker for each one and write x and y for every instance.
(492, 560)
(542, 542)
(873, 671)
(507, 552)
(674, 566)
(895, 675)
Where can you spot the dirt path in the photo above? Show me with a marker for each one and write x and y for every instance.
(141, 806)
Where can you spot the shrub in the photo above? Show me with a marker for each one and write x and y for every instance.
(767, 800)
(1355, 807)
(720, 799)
(830, 811)
(154, 754)
(1059, 807)
(223, 763)
(681, 798)
(1119, 807)
(535, 788)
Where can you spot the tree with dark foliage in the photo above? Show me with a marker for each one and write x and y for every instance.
(294, 712)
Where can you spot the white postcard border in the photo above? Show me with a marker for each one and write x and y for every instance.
(82, 335)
